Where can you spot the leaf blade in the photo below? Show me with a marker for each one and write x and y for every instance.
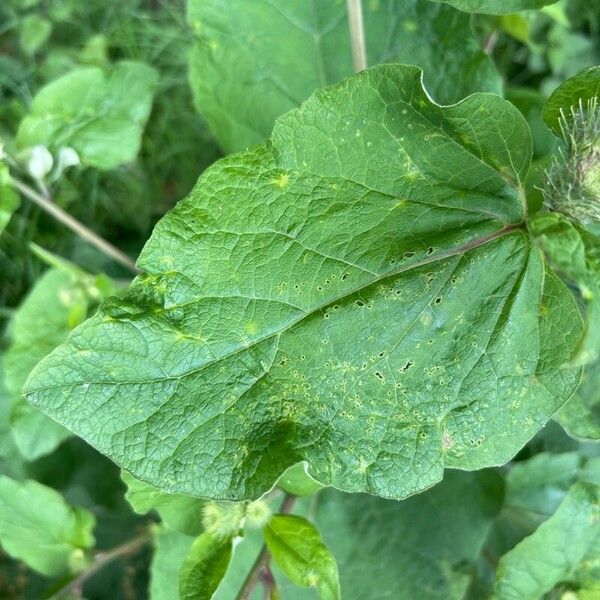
(204, 567)
(275, 54)
(298, 550)
(38, 527)
(497, 7)
(179, 512)
(276, 361)
(580, 88)
(100, 115)
(553, 552)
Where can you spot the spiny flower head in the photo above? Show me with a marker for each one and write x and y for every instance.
(258, 514)
(573, 181)
(223, 519)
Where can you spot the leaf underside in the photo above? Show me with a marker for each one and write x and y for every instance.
(354, 293)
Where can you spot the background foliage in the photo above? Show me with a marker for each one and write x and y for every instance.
(113, 109)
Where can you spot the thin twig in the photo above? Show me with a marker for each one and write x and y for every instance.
(74, 225)
(253, 577)
(101, 559)
(261, 564)
(357, 34)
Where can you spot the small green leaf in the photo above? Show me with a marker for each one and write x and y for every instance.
(60, 300)
(582, 87)
(575, 254)
(580, 416)
(497, 7)
(34, 33)
(39, 528)
(254, 61)
(298, 550)
(298, 482)
(555, 551)
(9, 199)
(539, 484)
(95, 51)
(311, 297)
(423, 547)
(516, 26)
(178, 511)
(534, 490)
(101, 115)
(170, 550)
(204, 567)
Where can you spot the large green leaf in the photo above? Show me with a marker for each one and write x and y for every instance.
(578, 89)
(38, 527)
(554, 553)
(298, 550)
(497, 7)
(253, 61)
(101, 115)
(60, 300)
(536, 486)
(356, 293)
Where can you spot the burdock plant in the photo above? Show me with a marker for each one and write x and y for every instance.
(573, 181)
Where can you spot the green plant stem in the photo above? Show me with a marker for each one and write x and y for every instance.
(261, 563)
(491, 42)
(357, 34)
(100, 561)
(45, 203)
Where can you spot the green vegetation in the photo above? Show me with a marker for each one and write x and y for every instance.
(276, 326)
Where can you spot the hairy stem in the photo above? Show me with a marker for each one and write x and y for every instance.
(260, 568)
(74, 225)
(100, 561)
(357, 34)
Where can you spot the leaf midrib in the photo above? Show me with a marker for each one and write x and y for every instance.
(476, 243)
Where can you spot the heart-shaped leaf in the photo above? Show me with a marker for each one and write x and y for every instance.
(358, 293)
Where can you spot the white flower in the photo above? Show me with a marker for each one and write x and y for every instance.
(40, 162)
(67, 157)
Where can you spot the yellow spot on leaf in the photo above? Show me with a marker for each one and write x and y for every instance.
(251, 327)
(282, 180)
